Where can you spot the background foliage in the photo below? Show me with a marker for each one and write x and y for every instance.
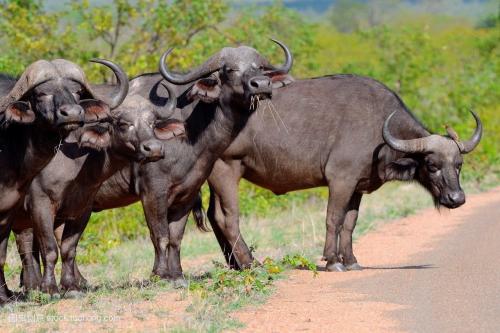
(441, 60)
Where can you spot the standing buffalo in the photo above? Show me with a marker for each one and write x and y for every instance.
(37, 111)
(347, 132)
(67, 197)
(169, 188)
(227, 87)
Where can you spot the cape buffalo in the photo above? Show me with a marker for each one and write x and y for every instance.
(169, 188)
(227, 87)
(37, 111)
(347, 132)
(135, 136)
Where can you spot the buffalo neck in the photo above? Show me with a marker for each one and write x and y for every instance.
(220, 126)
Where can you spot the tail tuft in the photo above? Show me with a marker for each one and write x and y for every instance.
(199, 214)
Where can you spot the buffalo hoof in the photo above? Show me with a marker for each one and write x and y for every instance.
(180, 283)
(336, 267)
(84, 285)
(74, 294)
(354, 267)
(50, 289)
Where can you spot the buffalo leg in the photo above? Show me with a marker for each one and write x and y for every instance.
(176, 233)
(215, 216)
(223, 214)
(155, 210)
(345, 240)
(5, 227)
(72, 233)
(80, 280)
(43, 221)
(28, 249)
(338, 204)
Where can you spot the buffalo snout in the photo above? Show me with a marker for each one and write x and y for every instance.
(453, 199)
(70, 115)
(152, 150)
(259, 85)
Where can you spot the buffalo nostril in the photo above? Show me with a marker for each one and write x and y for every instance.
(146, 148)
(254, 84)
(456, 197)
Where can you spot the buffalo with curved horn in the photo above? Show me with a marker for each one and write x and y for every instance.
(38, 111)
(204, 130)
(347, 132)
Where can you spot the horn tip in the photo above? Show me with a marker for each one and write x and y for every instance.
(97, 60)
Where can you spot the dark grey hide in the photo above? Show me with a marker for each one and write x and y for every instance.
(37, 111)
(347, 132)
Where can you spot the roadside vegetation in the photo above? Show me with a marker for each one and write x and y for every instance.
(441, 65)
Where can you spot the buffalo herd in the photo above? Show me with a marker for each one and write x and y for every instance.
(69, 147)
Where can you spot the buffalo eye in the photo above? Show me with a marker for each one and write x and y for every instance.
(44, 96)
(432, 168)
(229, 69)
(124, 126)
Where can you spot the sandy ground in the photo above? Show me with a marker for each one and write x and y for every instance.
(432, 272)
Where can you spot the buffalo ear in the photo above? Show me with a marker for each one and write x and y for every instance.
(206, 89)
(401, 169)
(95, 136)
(95, 110)
(169, 129)
(19, 112)
(279, 80)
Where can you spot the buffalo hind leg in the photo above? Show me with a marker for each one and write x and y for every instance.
(216, 218)
(223, 214)
(345, 240)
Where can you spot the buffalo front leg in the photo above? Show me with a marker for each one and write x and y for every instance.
(28, 249)
(72, 233)
(5, 227)
(176, 233)
(345, 240)
(223, 214)
(338, 201)
(80, 280)
(43, 221)
(155, 210)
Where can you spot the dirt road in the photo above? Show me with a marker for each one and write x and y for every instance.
(433, 272)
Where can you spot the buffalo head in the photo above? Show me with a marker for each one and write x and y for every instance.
(57, 94)
(136, 128)
(435, 161)
(234, 76)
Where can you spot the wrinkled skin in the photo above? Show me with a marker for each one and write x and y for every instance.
(37, 112)
(169, 188)
(134, 136)
(328, 132)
